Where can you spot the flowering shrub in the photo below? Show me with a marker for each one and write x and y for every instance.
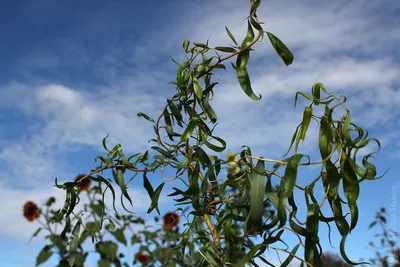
(111, 239)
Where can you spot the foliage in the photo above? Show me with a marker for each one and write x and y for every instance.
(387, 246)
(232, 205)
(154, 242)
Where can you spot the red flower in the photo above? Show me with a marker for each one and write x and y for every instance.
(143, 258)
(171, 219)
(84, 184)
(31, 211)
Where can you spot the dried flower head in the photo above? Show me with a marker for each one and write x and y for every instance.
(171, 220)
(84, 184)
(142, 257)
(31, 211)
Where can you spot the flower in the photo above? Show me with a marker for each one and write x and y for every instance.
(143, 258)
(234, 169)
(231, 158)
(84, 184)
(171, 219)
(31, 211)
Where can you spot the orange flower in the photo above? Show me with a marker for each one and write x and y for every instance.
(31, 211)
(85, 184)
(171, 219)
(143, 258)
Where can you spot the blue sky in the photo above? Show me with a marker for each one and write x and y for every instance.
(74, 72)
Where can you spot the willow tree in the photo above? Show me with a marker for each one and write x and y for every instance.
(232, 205)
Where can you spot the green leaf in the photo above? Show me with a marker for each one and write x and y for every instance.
(257, 191)
(248, 256)
(74, 243)
(351, 188)
(344, 256)
(104, 142)
(244, 81)
(147, 185)
(141, 114)
(183, 164)
(109, 185)
(155, 197)
(93, 226)
(60, 244)
(290, 257)
(97, 208)
(44, 255)
(72, 200)
(176, 113)
(162, 152)
(209, 111)
(249, 36)
(35, 234)
(286, 186)
(372, 224)
(231, 35)
(119, 179)
(316, 92)
(66, 228)
(119, 235)
(225, 49)
(188, 131)
(201, 45)
(254, 6)
(108, 248)
(257, 25)
(307, 114)
(186, 45)
(212, 146)
(149, 188)
(110, 226)
(243, 59)
(197, 88)
(281, 49)
(311, 254)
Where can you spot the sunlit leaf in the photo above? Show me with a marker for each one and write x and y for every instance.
(197, 88)
(281, 49)
(185, 45)
(244, 81)
(257, 189)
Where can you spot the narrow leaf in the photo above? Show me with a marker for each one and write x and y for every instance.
(281, 49)
(244, 81)
(231, 35)
(141, 114)
(155, 197)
